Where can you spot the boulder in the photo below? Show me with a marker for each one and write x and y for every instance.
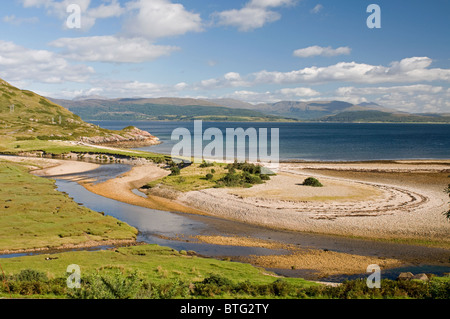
(405, 276)
(422, 277)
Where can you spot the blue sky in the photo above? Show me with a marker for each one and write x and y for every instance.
(253, 50)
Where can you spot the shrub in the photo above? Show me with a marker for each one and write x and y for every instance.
(31, 275)
(209, 177)
(114, 285)
(175, 171)
(206, 164)
(311, 181)
(447, 214)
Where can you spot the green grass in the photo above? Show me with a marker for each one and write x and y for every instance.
(152, 263)
(34, 215)
(152, 271)
(156, 263)
(208, 175)
(192, 178)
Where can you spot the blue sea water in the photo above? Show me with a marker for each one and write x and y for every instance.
(324, 141)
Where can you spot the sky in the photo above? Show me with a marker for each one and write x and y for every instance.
(257, 51)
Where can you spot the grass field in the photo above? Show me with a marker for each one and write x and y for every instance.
(192, 177)
(34, 215)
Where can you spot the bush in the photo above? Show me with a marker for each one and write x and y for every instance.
(114, 285)
(209, 177)
(206, 164)
(31, 275)
(447, 214)
(175, 171)
(311, 181)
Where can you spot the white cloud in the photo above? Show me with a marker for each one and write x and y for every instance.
(125, 89)
(255, 14)
(321, 51)
(160, 18)
(317, 8)
(230, 79)
(299, 92)
(408, 98)
(108, 9)
(274, 96)
(12, 19)
(21, 64)
(413, 69)
(111, 49)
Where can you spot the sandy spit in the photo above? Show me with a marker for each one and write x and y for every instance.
(347, 205)
(120, 189)
(51, 167)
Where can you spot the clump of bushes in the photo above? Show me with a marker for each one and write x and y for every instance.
(311, 181)
(205, 164)
(250, 174)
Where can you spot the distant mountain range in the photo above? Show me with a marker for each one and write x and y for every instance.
(162, 109)
(98, 108)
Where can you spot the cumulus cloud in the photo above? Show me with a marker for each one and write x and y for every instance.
(299, 92)
(19, 64)
(230, 79)
(108, 9)
(111, 49)
(255, 14)
(160, 18)
(413, 69)
(321, 51)
(408, 98)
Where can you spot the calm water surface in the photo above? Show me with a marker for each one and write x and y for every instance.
(325, 141)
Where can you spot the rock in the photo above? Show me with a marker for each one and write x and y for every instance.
(422, 277)
(405, 276)
(129, 138)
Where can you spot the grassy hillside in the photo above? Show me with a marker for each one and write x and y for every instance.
(26, 114)
(30, 123)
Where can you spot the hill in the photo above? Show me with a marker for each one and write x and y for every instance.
(224, 109)
(384, 117)
(162, 109)
(27, 116)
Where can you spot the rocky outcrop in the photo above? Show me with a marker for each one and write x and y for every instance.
(410, 276)
(129, 138)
